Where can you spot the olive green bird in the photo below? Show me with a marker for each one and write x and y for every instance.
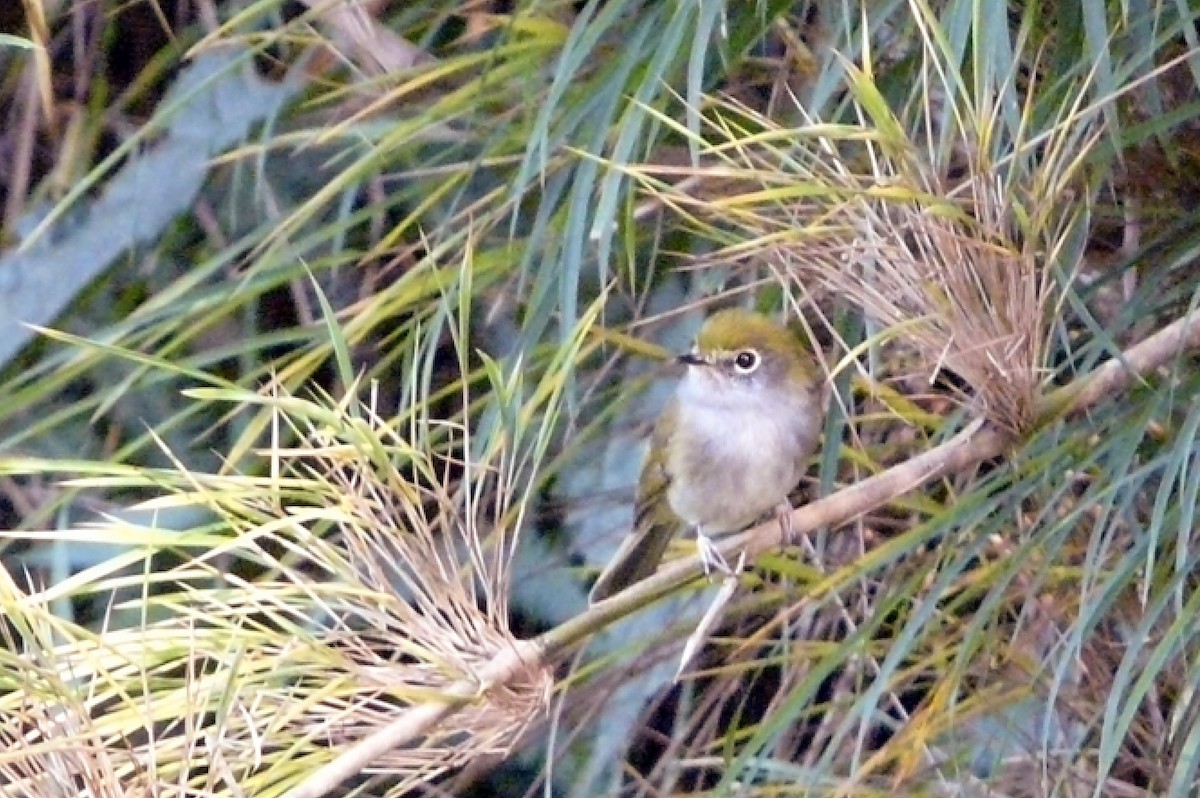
(728, 447)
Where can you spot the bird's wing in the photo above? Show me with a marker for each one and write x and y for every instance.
(654, 523)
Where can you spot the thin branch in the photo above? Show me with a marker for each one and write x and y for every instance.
(412, 725)
(973, 445)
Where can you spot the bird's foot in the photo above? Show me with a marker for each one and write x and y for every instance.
(710, 556)
(787, 534)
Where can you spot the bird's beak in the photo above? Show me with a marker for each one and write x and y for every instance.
(691, 359)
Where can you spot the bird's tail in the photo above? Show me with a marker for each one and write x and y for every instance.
(638, 558)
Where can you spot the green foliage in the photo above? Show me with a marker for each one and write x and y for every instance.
(271, 248)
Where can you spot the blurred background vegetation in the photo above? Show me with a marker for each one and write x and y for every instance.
(329, 332)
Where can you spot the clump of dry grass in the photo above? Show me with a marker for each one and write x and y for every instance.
(427, 552)
(363, 578)
(951, 277)
(397, 549)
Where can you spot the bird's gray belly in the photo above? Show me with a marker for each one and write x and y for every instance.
(723, 479)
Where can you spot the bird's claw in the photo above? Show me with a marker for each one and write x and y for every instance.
(710, 556)
(783, 514)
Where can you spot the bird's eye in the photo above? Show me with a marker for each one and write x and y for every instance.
(746, 361)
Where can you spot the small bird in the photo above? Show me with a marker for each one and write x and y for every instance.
(730, 445)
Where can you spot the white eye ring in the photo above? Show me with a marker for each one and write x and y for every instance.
(746, 361)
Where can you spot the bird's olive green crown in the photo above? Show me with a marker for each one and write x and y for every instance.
(749, 345)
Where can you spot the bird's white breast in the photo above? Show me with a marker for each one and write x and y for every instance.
(732, 459)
